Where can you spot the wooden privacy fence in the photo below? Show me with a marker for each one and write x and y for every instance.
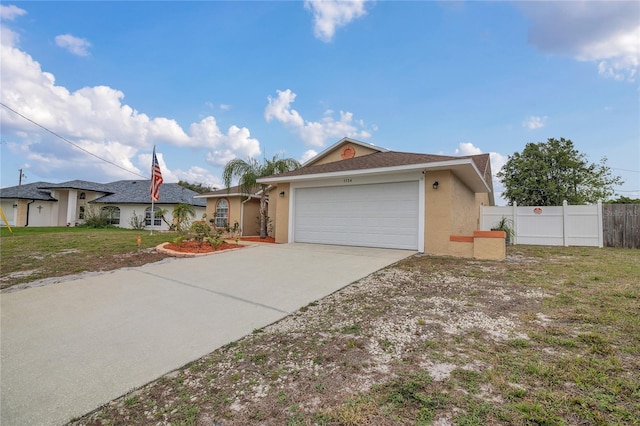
(621, 223)
(598, 225)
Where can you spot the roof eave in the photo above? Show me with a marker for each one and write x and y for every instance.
(231, 194)
(464, 168)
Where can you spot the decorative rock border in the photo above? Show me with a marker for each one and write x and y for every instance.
(160, 248)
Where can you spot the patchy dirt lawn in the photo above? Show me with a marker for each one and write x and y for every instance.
(536, 339)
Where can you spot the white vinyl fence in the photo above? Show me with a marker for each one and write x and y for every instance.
(550, 226)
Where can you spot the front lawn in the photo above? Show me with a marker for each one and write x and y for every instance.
(34, 253)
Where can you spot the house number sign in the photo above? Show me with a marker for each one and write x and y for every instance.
(348, 180)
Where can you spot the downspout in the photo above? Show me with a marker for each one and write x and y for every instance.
(242, 215)
(28, 204)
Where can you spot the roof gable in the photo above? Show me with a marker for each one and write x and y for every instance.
(335, 151)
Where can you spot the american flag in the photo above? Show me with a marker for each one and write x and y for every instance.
(156, 178)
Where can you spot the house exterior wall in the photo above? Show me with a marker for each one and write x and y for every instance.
(465, 216)
(336, 155)
(251, 225)
(281, 214)
(10, 212)
(40, 213)
(452, 209)
(438, 210)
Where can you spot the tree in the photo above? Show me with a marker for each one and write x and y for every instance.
(547, 173)
(200, 188)
(182, 213)
(623, 200)
(248, 173)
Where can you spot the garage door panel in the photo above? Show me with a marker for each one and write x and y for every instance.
(380, 215)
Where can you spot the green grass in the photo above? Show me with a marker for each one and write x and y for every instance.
(41, 252)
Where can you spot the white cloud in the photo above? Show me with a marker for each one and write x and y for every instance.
(313, 133)
(308, 155)
(9, 13)
(607, 33)
(77, 46)
(328, 15)
(97, 120)
(467, 148)
(497, 161)
(534, 122)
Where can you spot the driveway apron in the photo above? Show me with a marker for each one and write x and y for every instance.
(68, 348)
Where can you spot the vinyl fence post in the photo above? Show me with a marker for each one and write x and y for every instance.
(565, 221)
(600, 226)
(515, 223)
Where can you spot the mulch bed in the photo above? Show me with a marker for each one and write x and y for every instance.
(197, 247)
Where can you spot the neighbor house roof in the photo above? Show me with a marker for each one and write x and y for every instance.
(137, 192)
(119, 192)
(30, 191)
(469, 168)
(81, 185)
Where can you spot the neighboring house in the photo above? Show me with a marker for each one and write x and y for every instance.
(229, 206)
(65, 204)
(358, 194)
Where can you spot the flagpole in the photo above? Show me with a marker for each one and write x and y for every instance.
(153, 190)
(156, 181)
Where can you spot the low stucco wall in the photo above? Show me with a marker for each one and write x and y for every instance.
(483, 245)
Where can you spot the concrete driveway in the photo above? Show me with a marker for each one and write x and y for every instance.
(70, 347)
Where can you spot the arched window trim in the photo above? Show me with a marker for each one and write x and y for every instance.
(222, 220)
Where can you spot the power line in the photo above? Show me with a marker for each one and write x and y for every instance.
(71, 143)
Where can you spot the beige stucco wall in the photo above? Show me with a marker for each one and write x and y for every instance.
(489, 245)
(437, 212)
(465, 217)
(336, 154)
(280, 215)
(250, 225)
(452, 209)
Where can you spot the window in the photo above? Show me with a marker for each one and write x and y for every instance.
(157, 221)
(82, 196)
(81, 212)
(222, 213)
(112, 214)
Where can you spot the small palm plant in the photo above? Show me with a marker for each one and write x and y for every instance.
(506, 225)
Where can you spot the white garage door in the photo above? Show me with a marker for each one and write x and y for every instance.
(377, 215)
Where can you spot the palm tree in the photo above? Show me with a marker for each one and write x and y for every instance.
(181, 215)
(248, 173)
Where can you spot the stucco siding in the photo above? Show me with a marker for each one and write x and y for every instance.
(281, 215)
(466, 214)
(437, 227)
(336, 155)
(251, 225)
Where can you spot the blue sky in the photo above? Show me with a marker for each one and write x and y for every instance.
(207, 82)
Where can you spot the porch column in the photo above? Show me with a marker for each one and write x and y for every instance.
(72, 206)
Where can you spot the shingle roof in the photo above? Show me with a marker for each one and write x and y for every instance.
(29, 191)
(381, 160)
(137, 192)
(82, 185)
(119, 192)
